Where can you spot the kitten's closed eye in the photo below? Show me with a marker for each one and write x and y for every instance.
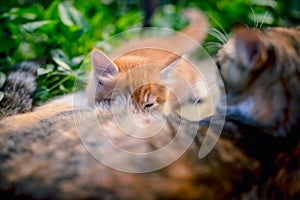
(100, 83)
(148, 106)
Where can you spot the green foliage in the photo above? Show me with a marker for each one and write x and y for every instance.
(62, 33)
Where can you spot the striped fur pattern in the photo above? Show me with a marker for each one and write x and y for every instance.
(18, 89)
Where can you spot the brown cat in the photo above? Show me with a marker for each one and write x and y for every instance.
(261, 75)
(151, 70)
(253, 158)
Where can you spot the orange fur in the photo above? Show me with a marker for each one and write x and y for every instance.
(155, 79)
(151, 70)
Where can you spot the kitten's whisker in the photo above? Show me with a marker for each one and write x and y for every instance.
(210, 77)
(219, 25)
(215, 34)
(210, 80)
(213, 44)
(219, 35)
(211, 86)
(222, 34)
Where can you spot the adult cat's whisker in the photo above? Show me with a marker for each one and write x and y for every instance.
(263, 20)
(255, 20)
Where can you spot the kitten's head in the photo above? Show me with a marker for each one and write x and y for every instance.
(261, 74)
(133, 76)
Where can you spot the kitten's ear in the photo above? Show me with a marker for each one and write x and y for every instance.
(102, 65)
(165, 74)
(249, 47)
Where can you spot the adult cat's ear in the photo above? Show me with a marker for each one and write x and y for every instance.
(249, 48)
(102, 65)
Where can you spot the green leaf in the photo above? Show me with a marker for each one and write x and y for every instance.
(48, 68)
(60, 58)
(2, 79)
(31, 26)
(70, 16)
(41, 94)
(77, 61)
(271, 3)
(51, 12)
(25, 13)
(1, 95)
(14, 29)
(26, 51)
(7, 43)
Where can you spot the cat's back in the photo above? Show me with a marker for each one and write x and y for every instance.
(68, 156)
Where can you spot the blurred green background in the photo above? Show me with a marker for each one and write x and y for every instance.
(61, 33)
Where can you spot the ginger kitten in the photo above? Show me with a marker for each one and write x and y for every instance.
(151, 70)
(155, 79)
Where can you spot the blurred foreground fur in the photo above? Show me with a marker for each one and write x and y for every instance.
(48, 160)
